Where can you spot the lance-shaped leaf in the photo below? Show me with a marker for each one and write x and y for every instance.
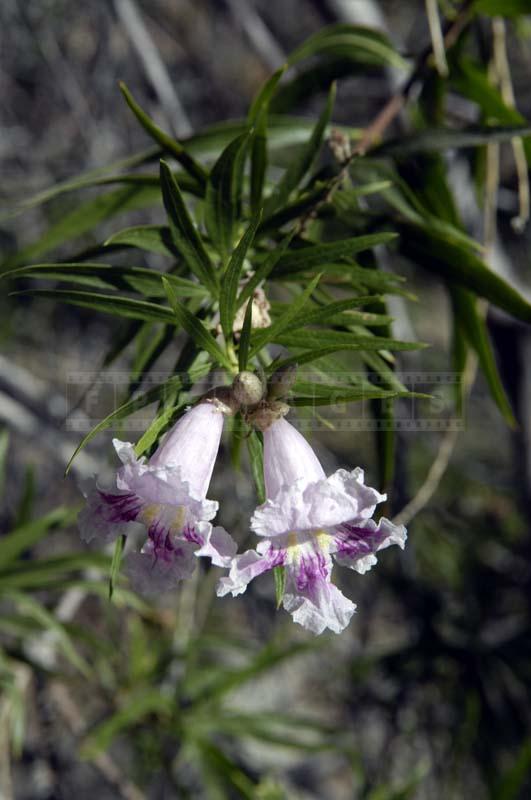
(245, 337)
(223, 194)
(166, 142)
(229, 287)
(474, 329)
(333, 314)
(115, 563)
(342, 340)
(256, 457)
(184, 234)
(473, 83)
(258, 121)
(456, 265)
(338, 396)
(314, 255)
(440, 139)
(25, 536)
(114, 304)
(138, 279)
(195, 328)
(502, 8)
(303, 161)
(90, 178)
(152, 238)
(275, 330)
(354, 41)
(86, 216)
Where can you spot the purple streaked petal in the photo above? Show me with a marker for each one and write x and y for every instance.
(247, 566)
(312, 600)
(156, 569)
(107, 514)
(355, 545)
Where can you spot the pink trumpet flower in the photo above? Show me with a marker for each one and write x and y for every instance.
(307, 521)
(166, 494)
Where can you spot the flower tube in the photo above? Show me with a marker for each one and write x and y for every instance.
(167, 495)
(308, 521)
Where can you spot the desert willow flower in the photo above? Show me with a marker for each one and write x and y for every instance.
(307, 521)
(167, 495)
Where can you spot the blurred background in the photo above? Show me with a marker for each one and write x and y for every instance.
(426, 695)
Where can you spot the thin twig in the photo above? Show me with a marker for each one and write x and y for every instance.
(437, 40)
(442, 459)
(503, 71)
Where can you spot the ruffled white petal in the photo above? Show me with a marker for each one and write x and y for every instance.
(157, 483)
(150, 575)
(321, 608)
(328, 502)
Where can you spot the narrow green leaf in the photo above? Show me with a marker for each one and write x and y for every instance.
(353, 396)
(304, 258)
(280, 325)
(342, 340)
(152, 433)
(355, 41)
(32, 608)
(475, 330)
(195, 328)
(47, 572)
(152, 238)
(265, 94)
(302, 163)
(229, 287)
(109, 304)
(459, 266)
(280, 576)
(223, 194)
(168, 143)
(440, 139)
(503, 8)
(138, 279)
(115, 564)
(256, 456)
(85, 217)
(258, 121)
(90, 178)
(137, 705)
(474, 83)
(333, 314)
(245, 337)
(25, 536)
(184, 234)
